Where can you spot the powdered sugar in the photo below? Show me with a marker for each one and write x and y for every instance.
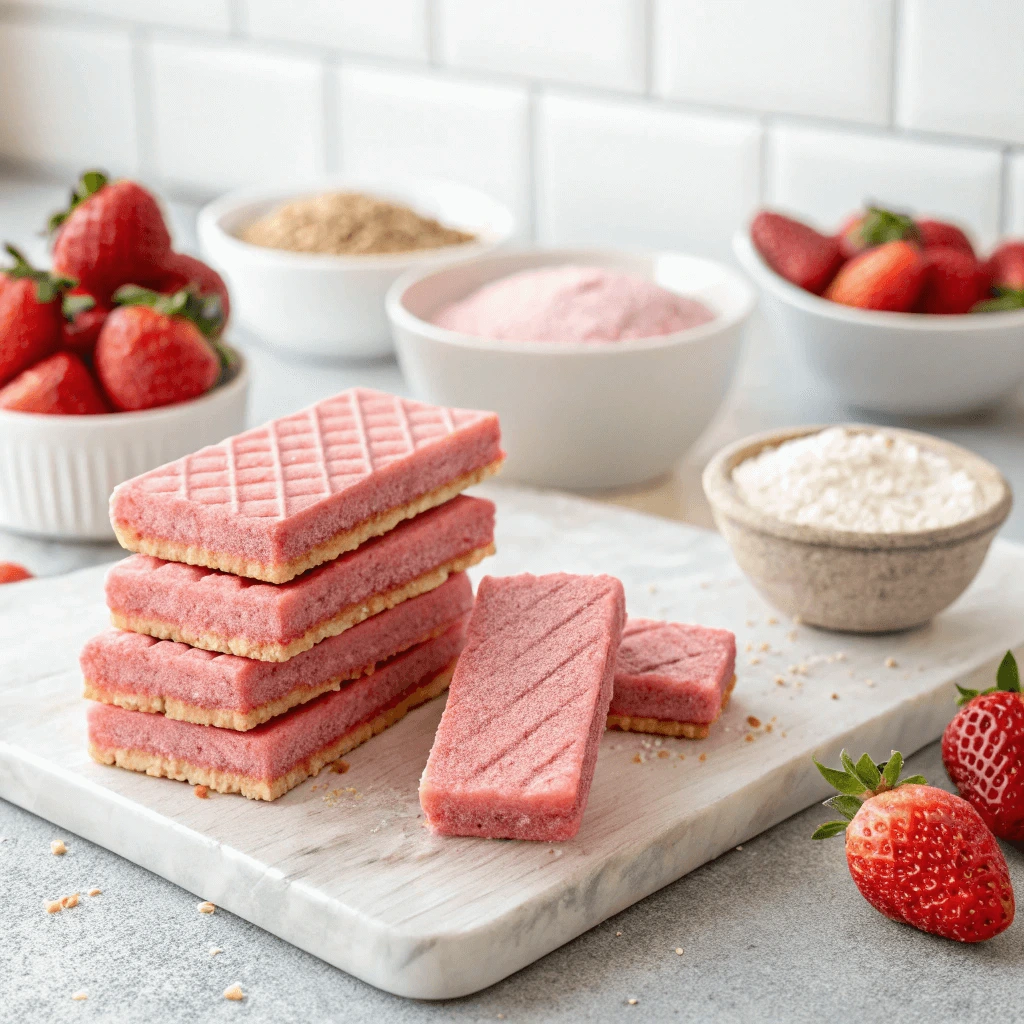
(860, 481)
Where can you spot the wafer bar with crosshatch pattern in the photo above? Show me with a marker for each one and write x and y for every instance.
(274, 622)
(278, 500)
(672, 678)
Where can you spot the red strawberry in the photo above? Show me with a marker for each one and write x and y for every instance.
(59, 386)
(953, 281)
(11, 572)
(983, 751)
(937, 234)
(887, 277)
(112, 234)
(30, 315)
(181, 271)
(797, 252)
(83, 319)
(153, 350)
(1006, 266)
(875, 227)
(918, 854)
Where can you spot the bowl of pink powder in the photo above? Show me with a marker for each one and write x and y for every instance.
(604, 366)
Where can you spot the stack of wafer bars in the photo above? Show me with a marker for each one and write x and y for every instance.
(296, 590)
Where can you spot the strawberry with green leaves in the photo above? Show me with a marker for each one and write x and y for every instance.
(158, 349)
(1005, 269)
(983, 751)
(918, 854)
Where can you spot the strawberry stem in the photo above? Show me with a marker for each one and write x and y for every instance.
(858, 782)
(1006, 298)
(880, 226)
(205, 312)
(88, 185)
(1007, 678)
(48, 286)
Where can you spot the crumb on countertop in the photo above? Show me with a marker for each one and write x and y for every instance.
(214, 950)
(340, 766)
(95, 892)
(57, 848)
(202, 792)
(891, 663)
(206, 907)
(637, 759)
(234, 992)
(753, 722)
(835, 696)
(703, 757)
(80, 995)
(679, 950)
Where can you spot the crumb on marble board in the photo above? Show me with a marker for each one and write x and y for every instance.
(664, 753)
(206, 907)
(754, 722)
(234, 992)
(340, 766)
(869, 682)
(631, 1002)
(772, 621)
(80, 995)
(95, 892)
(835, 696)
(202, 792)
(703, 757)
(637, 759)
(754, 660)
(749, 738)
(214, 950)
(891, 663)
(679, 950)
(57, 848)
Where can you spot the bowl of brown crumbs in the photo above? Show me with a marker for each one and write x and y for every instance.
(308, 270)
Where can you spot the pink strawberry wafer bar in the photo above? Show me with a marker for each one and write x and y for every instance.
(267, 761)
(275, 501)
(671, 678)
(274, 622)
(141, 673)
(514, 754)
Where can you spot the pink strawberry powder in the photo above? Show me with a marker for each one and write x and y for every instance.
(673, 672)
(131, 663)
(274, 748)
(514, 754)
(572, 304)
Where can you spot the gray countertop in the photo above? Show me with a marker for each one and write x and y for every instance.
(775, 931)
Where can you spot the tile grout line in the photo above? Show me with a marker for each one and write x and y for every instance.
(330, 83)
(896, 43)
(142, 104)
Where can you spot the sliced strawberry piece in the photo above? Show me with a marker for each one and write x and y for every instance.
(954, 281)
(181, 271)
(153, 349)
(30, 315)
(11, 572)
(59, 386)
(888, 277)
(796, 251)
(918, 854)
(112, 234)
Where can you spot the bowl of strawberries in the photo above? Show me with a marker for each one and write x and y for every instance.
(112, 362)
(891, 313)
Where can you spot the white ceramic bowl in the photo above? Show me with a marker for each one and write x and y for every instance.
(328, 306)
(577, 415)
(57, 472)
(903, 364)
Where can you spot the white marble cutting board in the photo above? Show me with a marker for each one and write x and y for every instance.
(343, 867)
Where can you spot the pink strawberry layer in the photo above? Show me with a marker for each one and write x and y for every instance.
(673, 672)
(275, 492)
(274, 748)
(208, 601)
(514, 754)
(132, 663)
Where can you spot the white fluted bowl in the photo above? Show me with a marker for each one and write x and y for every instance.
(57, 472)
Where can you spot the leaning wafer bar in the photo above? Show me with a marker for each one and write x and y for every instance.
(275, 501)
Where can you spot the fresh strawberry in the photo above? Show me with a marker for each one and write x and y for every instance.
(938, 234)
(30, 315)
(888, 277)
(954, 281)
(797, 252)
(181, 271)
(918, 854)
(983, 751)
(153, 349)
(112, 234)
(59, 386)
(83, 319)
(11, 572)
(875, 226)
(1006, 266)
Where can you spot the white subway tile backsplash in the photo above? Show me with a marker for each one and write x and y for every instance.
(392, 28)
(197, 14)
(66, 96)
(600, 44)
(228, 115)
(962, 68)
(1015, 197)
(633, 173)
(396, 124)
(826, 174)
(826, 58)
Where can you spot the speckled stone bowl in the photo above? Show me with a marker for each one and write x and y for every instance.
(850, 581)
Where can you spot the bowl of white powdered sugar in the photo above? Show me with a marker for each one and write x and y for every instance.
(857, 528)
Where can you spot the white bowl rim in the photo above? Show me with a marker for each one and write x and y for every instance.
(211, 215)
(751, 261)
(139, 417)
(402, 317)
(724, 497)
